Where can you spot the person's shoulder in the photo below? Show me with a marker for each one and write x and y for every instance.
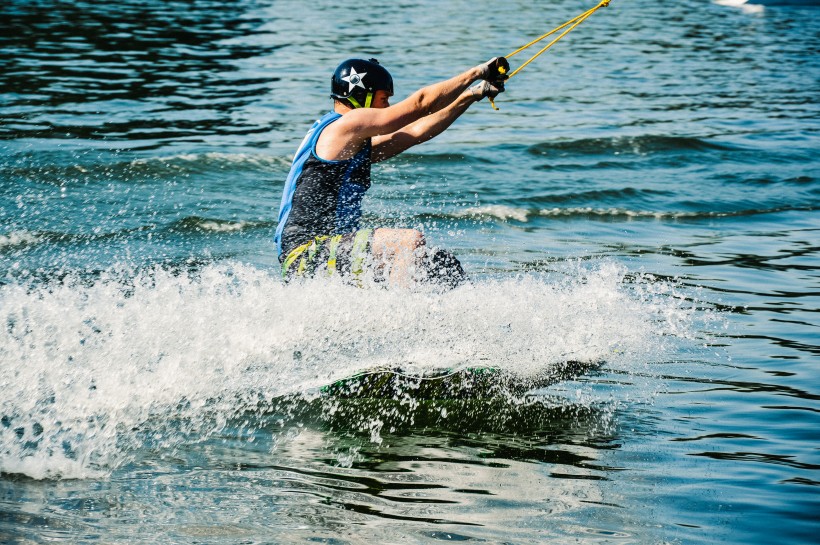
(352, 120)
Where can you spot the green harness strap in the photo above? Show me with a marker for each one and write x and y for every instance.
(367, 102)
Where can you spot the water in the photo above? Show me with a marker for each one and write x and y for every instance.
(643, 206)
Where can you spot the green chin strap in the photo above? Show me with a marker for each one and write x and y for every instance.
(367, 101)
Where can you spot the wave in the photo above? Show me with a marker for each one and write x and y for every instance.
(17, 239)
(213, 160)
(497, 211)
(103, 367)
(635, 145)
(76, 167)
(198, 224)
(757, 6)
(523, 215)
(410, 159)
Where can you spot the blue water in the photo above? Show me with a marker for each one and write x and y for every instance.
(642, 208)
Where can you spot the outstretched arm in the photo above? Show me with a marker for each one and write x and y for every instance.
(389, 145)
(358, 125)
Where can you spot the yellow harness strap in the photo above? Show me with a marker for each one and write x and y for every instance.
(358, 253)
(331, 260)
(292, 256)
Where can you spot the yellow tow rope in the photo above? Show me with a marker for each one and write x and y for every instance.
(572, 23)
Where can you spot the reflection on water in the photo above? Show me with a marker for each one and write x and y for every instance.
(321, 474)
(68, 66)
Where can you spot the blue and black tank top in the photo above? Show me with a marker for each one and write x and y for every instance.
(321, 197)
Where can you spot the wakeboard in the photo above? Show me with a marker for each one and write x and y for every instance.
(447, 383)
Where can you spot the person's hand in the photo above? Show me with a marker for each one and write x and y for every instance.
(494, 70)
(486, 89)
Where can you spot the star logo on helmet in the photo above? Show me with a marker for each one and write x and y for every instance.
(354, 79)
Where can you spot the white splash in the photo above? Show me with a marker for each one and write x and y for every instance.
(90, 369)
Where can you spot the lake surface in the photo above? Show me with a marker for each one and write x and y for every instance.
(642, 209)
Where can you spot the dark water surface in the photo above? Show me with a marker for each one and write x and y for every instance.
(644, 204)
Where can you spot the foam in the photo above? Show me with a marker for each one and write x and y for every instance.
(92, 370)
(222, 227)
(495, 211)
(18, 238)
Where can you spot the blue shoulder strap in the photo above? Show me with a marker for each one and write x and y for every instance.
(302, 154)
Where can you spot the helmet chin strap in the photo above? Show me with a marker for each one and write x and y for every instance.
(356, 104)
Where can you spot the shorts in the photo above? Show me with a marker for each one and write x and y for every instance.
(327, 255)
(348, 256)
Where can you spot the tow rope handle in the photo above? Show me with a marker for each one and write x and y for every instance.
(572, 23)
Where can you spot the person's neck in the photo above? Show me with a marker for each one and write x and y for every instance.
(341, 108)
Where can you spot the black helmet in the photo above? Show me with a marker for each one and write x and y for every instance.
(355, 81)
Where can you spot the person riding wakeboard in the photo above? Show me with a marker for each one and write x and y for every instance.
(318, 230)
